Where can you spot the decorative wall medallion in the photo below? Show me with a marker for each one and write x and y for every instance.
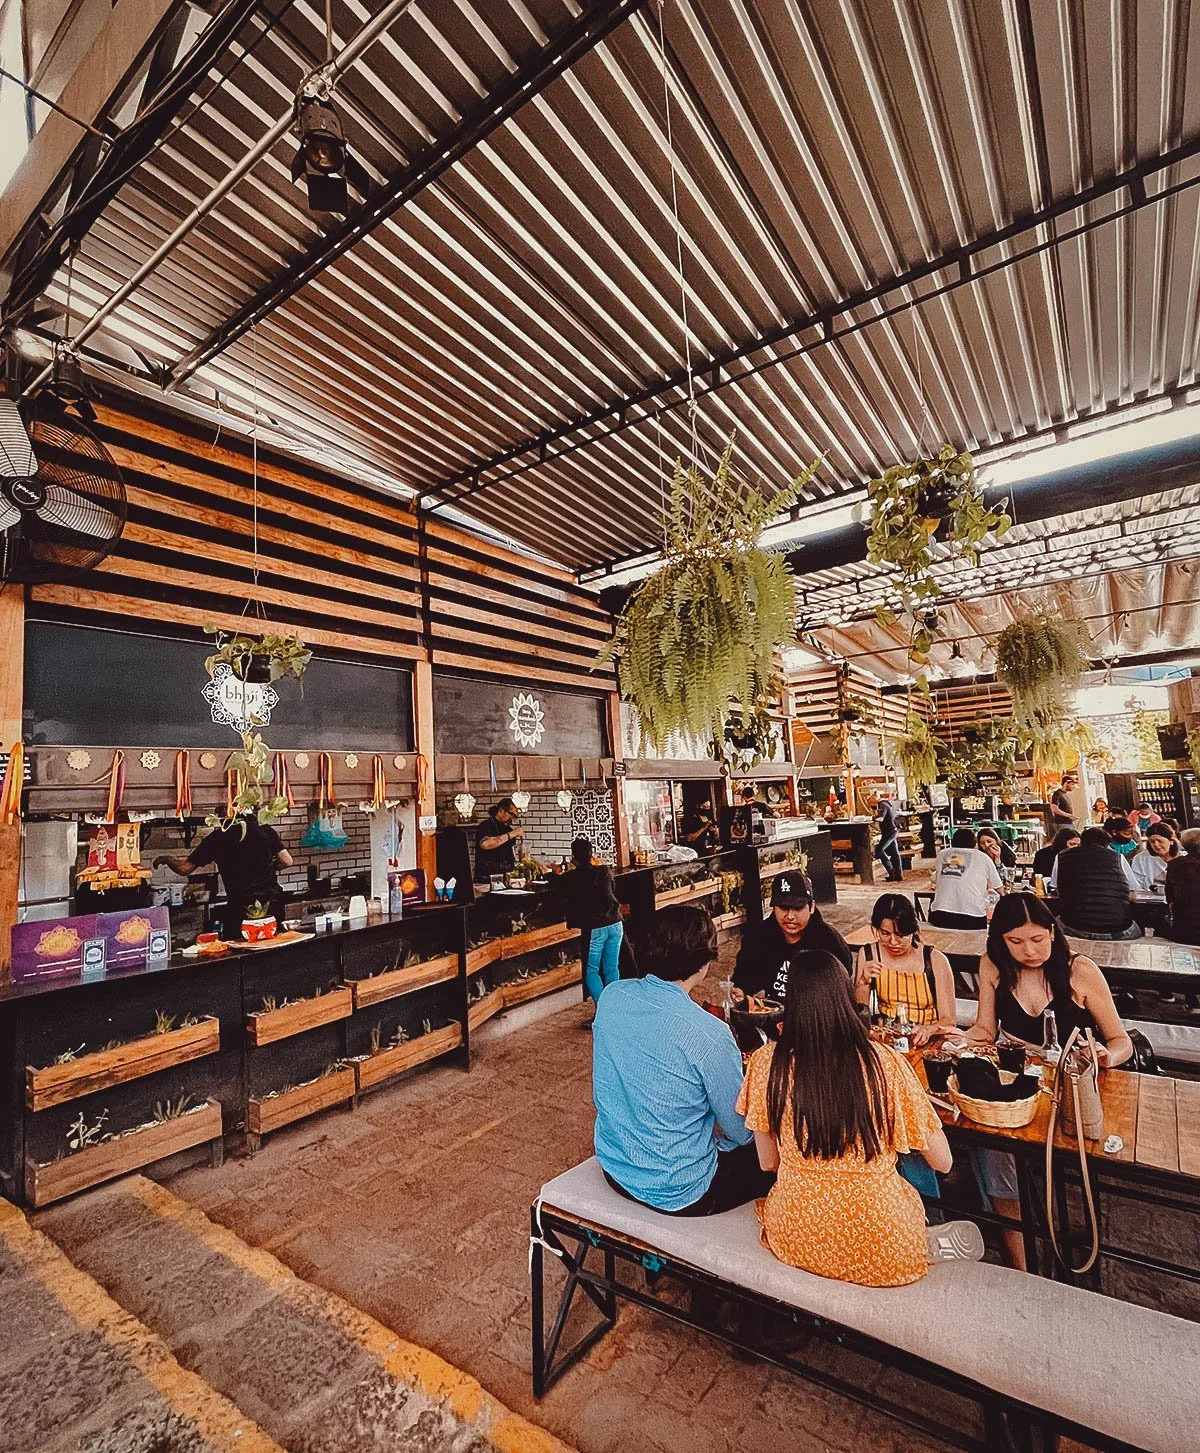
(208, 760)
(301, 759)
(351, 759)
(79, 760)
(526, 719)
(464, 804)
(236, 703)
(399, 763)
(151, 759)
(520, 800)
(564, 798)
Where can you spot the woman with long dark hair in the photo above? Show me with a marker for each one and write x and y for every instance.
(830, 1110)
(590, 903)
(1046, 857)
(905, 971)
(1028, 968)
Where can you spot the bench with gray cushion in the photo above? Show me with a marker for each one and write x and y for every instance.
(1174, 1044)
(1061, 1358)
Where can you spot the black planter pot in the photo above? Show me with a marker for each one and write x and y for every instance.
(258, 670)
(935, 503)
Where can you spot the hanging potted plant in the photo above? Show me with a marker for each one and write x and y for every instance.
(260, 659)
(912, 505)
(1042, 659)
(915, 754)
(702, 631)
(254, 778)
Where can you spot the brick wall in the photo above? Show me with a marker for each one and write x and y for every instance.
(549, 830)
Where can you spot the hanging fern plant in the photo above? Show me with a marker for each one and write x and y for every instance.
(1042, 659)
(915, 754)
(702, 631)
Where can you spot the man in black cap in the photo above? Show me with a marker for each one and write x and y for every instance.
(794, 926)
(496, 841)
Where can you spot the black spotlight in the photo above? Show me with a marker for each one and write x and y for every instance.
(322, 158)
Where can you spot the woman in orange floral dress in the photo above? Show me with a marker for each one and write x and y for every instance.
(831, 1109)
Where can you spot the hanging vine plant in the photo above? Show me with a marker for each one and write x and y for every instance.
(701, 633)
(1042, 659)
(912, 505)
(915, 754)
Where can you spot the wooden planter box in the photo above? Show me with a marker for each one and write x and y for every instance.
(486, 1008)
(519, 990)
(274, 1111)
(56, 1084)
(485, 954)
(395, 982)
(391, 1062)
(119, 1156)
(271, 1024)
(534, 938)
(729, 920)
(687, 891)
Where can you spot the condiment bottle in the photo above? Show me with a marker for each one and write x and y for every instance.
(901, 1040)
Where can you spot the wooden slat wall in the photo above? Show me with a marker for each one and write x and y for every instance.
(350, 569)
(495, 611)
(957, 706)
(815, 693)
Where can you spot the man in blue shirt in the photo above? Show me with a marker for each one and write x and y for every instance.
(665, 1080)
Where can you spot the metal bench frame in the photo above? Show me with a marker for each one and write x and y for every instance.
(589, 1255)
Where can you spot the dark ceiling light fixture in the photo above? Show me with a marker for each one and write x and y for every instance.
(323, 159)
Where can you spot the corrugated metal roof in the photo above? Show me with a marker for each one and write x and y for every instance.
(821, 148)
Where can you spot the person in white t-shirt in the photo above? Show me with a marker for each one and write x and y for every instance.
(1149, 864)
(965, 884)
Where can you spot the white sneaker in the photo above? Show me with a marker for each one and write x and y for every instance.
(955, 1241)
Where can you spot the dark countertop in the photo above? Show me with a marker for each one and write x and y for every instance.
(177, 963)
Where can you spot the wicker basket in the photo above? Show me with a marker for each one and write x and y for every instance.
(1000, 1114)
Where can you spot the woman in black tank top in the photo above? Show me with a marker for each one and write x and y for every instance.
(1028, 968)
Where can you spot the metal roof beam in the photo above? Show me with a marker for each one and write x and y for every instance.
(593, 24)
(129, 150)
(616, 414)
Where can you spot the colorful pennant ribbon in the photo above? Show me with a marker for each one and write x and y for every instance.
(378, 782)
(280, 784)
(517, 771)
(233, 789)
(492, 773)
(183, 784)
(10, 788)
(116, 786)
(422, 777)
(328, 796)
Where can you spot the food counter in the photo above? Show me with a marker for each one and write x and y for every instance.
(117, 1072)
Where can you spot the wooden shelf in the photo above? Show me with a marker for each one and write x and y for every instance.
(395, 982)
(57, 1084)
(486, 1008)
(269, 1025)
(517, 944)
(520, 991)
(122, 1154)
(729, 920)
(776, 868)
(687, 892)
(270, 1112)
(481, 957)
(389, 1063)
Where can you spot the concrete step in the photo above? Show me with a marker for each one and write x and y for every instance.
(317, 1374)
(78, 1372)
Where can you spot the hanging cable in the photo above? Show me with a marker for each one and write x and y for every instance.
(683, 308)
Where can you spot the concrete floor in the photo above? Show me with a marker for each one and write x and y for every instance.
(414, 1208)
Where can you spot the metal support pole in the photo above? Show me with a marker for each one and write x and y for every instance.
(350, 53)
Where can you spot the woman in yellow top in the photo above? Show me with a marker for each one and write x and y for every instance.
(830, 1110)
(905, 972)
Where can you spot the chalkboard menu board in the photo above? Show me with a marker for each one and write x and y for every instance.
(510, 718)
(87, 687)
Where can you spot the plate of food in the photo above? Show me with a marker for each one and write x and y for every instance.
(755, 1020)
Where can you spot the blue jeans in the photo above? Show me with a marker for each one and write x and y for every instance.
(888, 853)
(917, 1171)
(604, 954)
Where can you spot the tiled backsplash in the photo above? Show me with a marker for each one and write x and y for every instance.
(549, 830)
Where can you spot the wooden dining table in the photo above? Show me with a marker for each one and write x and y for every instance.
(1146, 963)
(1157, 1119)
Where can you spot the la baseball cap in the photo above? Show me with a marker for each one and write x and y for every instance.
(791, 890)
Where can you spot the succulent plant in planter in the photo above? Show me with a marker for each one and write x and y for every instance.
(258, 658)
(259, 923)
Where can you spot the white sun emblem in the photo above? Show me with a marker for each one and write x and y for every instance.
(526, 719)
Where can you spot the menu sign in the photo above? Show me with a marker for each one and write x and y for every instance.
(90, 944)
